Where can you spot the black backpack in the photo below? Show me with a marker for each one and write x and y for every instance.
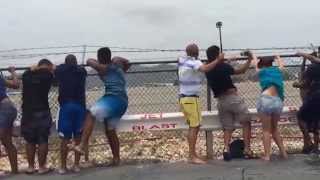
(237, 149)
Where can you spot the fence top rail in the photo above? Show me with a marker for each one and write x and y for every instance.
(170, 61)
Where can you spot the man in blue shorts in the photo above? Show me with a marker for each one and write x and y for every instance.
(71, 80)
(113, 105)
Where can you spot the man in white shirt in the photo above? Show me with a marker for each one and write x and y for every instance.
(190, 78)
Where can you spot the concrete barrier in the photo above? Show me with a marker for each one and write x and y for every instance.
(176, 121)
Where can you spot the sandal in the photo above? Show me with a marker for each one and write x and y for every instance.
(44, 171)
(30, 171)
(307, 149)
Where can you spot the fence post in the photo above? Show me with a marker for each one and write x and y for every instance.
(84, 52)
(209, 136)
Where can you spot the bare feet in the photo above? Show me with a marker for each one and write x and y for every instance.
(76, 169)
(196, 160)
(284, 155)
(115, 162)
(88, 164)
(30, 170)
(44, 170)
(62, 171)
(265, 158)
(4, 174)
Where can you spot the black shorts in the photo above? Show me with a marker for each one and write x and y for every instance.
(35, 126)
(310, 113)
(8, 114)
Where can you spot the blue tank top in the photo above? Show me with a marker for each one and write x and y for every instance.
(3, 91)
(272, 76)
(114, 81)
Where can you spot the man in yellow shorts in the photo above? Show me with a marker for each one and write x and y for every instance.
(190, 79)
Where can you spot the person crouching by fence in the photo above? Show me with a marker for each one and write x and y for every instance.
(231, 107)
(190, 78)
(8, 114)
(112, 106)
(270, 102)
(309, 112)
(36, 117)
(71, 79)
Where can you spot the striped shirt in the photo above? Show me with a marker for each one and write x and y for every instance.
(189, 75)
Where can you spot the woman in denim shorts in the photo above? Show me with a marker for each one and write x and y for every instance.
(270, 103)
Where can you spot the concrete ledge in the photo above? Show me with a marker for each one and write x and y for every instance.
(295, 168)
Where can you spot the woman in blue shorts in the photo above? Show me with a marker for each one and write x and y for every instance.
(270, 103)
(113, 105)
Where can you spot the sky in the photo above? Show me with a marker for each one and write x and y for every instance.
(161, 24)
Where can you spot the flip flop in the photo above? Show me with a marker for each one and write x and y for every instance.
(62, 171)
(30, 171)
(4, 173)
(44, 171)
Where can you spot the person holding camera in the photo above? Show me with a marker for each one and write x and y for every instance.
(270, 102)
(8, 114)
(304, 85)
(309, 115)
(231, 107)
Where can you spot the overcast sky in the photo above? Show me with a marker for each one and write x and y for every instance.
(158, 24)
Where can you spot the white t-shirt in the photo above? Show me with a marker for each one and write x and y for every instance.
(189, 75)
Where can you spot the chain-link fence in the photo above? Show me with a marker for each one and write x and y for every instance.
(153, 88)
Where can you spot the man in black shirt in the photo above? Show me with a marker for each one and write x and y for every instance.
(36, 117)
(232, 108)
(71, 81)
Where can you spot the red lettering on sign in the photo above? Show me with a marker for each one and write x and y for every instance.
(165, 126)
(173, 125)
(138, 127)
(154, 127)
(152, 116)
